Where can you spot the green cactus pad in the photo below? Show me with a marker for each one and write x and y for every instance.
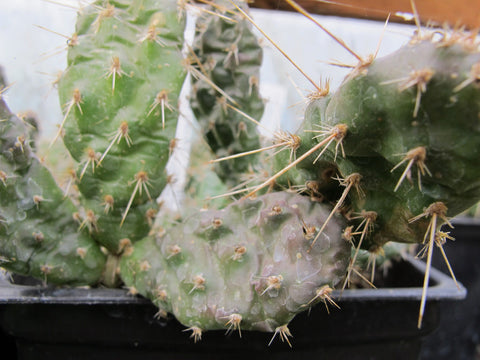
(419, 104)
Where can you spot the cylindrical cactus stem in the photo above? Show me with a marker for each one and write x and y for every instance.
(249, 266)
(225, 96)
(39, 234)
(412, 120)
(120, 91)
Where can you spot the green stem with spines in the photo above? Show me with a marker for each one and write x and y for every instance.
(39, 235)
(408, 100)
(127, 71)
(228, 57)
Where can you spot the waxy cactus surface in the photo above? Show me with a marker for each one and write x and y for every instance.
(39, 233)
(249, 266)
(120, 90)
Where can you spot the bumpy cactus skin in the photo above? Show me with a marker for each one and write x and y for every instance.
(249, 265)
(120, 92)
(39, 236)
(419, 104)
(229, 56)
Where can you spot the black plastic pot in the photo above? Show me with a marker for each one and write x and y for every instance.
(52, 323)
(458, 334)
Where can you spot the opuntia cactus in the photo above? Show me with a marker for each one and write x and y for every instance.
(249, 266)
(259, 261)
(39, 233)
(120, 90)
(225, 94)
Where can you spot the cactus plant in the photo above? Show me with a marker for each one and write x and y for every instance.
(39, 235)
(121, 118)
(248, 266)
(377, 133)
(415, 133)
(225, 95)
(392, 112)
(255, 263)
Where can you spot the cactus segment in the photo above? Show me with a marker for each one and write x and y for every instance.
(227, 55)
(39, 234)
(248, 266)
(120, 92)
(411, 115)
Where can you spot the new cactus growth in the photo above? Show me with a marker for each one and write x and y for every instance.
(248, 266)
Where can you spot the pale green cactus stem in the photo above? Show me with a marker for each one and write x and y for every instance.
(249, 266)
(120, 90)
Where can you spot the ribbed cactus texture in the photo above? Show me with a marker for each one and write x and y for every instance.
(225, 84)
(120, 91)
(249, 265)
(39, 233)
